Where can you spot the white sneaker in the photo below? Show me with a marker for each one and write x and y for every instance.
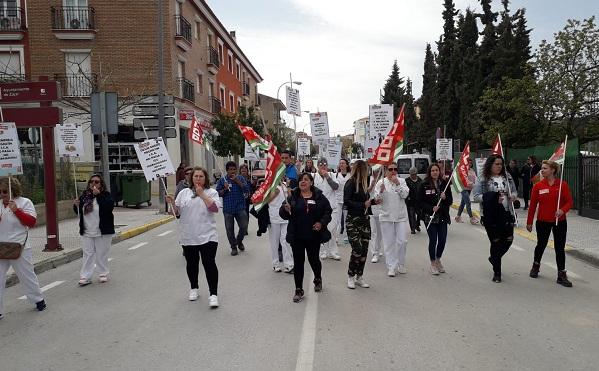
(434, 270)
(351, 282)
(391, 272)
(213, 301)
(402, 269)
(360, 282)
(276, 269)
(375, 258)
(335, 256)
(323, 256)
(194, 294)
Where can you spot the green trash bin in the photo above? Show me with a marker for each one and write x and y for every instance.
(135, 190)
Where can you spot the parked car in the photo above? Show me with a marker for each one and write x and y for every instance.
(418, 160)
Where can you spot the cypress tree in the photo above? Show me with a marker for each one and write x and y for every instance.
(447, 108)
(466, 57)
(521, 44)
(429, 91)
(393, 91)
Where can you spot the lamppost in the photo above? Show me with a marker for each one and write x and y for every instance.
(291, 82)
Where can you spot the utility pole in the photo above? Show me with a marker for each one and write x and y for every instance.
(294, 124)
(161, 131)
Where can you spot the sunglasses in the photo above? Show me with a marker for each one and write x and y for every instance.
(392, 169)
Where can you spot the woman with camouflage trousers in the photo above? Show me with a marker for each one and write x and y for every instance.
(357, 201)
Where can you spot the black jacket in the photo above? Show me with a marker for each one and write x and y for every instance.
(413, 195)
(354, 201)
(428, 197)
(106, 205)
(321, 212)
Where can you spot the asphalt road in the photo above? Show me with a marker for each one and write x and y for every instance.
(142, 320)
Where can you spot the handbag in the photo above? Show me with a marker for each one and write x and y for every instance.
(10, 250)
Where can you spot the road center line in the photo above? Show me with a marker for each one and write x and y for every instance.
(137, 246)
(165, 233)
(305, 355)
(517, 248)
(45, 288)
(571, 274)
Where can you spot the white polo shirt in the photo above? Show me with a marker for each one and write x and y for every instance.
(197, 224)
(11, 229)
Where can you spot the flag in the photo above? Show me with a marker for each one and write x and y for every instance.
(275, 170)
(196, 133)
(558, 156)
(460, 175)
(390, 148)
(253, 139)
(497, 147)
(438, 133)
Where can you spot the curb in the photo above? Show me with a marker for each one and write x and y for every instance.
(69, 256)
(572, 251)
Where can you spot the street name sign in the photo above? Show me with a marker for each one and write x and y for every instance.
(168, 133)
(22, 92)
(152, 122)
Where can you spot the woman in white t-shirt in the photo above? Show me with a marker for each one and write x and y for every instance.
(278, 232)
(195, 207)
(341, 177)
(17, 215)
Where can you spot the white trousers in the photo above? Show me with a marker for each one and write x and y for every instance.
(24, 269)
(330, 247)
(395, 240)
(375, 245)
(95, 252)
(277, 233)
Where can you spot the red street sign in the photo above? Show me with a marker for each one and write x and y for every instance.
(33, 116)
(186, 114)
(23, 92)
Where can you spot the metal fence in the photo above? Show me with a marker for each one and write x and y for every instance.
(589, 186)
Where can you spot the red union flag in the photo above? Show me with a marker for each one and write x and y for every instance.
(253, 139)
(390, 148)
(497, 147)
(558, 156)
(195, 131)
(275, 170)
(460, 175)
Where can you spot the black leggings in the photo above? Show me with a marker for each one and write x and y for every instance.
(312, 248)
(501, 238)
(559, 238)
(208, 253)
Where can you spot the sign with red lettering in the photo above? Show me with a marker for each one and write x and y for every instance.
(23, 92)
(186, 114)
(10, 152)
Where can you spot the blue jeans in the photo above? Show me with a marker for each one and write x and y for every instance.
(437, 236)
(242, 222)
(465, 202)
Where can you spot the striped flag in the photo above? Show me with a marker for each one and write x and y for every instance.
(497, 147)
(459, 178)
(196, 133)
(275, 170)
(253, 139)
(390, 148)
(558, 156)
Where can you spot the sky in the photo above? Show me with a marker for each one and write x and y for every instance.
(343, 50)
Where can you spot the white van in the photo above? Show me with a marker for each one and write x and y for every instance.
(418, 160)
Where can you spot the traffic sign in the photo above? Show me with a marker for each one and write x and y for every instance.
(153, 99)
(152, 122)
(21, 92)
(152, 110)
(168, 133)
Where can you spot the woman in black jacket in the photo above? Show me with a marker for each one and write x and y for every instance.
(309, 213)
(435, 200)
(96, 227)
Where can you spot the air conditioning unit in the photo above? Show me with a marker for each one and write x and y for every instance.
(75, 24)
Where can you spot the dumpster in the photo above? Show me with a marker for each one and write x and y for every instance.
(135, 190)
(116, 189)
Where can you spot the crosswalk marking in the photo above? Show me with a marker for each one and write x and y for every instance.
(165, 233)
(137, 246)
(45, 288)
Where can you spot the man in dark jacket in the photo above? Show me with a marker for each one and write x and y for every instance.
(413, 182)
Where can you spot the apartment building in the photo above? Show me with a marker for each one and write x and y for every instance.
(14, 41)
(102, 45)
(271, 111)
(360, 130)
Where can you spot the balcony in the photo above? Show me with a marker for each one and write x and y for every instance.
(215, 105)
(182, 32)
(213, 61)
(245, 89)
(77, 85)
(187, 89)
(7, 77)
(73, 22)
(12, 23)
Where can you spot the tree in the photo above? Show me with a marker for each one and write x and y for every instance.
(447, 101)
(428, 99)
(357, 149)
(568, 78)
(393, 91)
(226, 140)
(521, 44)
(283, 138)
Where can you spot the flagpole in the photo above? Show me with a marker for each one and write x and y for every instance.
(559, 195)
(509, 189)
(439, 202)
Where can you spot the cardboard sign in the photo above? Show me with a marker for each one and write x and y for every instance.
(444, 149)
(333, 153)
(154, 159)
(293, 102)
(303, 147)
(249, 154)
(69, 140)
(380, 121)
(480, 165)
(319, 126)
(10, 151)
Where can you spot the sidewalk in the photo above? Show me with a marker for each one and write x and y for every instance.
(128, 223)
(582, 239)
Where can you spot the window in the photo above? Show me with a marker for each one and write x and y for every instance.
(221, 53)
(78, 74)
(222, 97)
(230, 62)
(238, 70)
(197, 30)
(199, 83)
(421, 164)
(404, 165)
(10, 64)
(232, 102)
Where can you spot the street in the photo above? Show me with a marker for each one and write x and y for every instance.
(142, 319)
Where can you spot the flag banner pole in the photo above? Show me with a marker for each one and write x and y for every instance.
(439, 202)
(559, 195)
(75, 180)
(509, 189)
(9, 187)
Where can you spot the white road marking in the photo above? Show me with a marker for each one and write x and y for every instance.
(165, 233)
(135, 247)
(110, 259)
(517, 248)
(305, 354)
(571, 274)
(45, 288)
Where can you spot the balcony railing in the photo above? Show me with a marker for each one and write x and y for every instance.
(73, 18)
(7, 77)
(215, 105)
(213, 59)
(183, 28)
(77, 85)
(187, 89)
(245, 88)
(12, 19)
